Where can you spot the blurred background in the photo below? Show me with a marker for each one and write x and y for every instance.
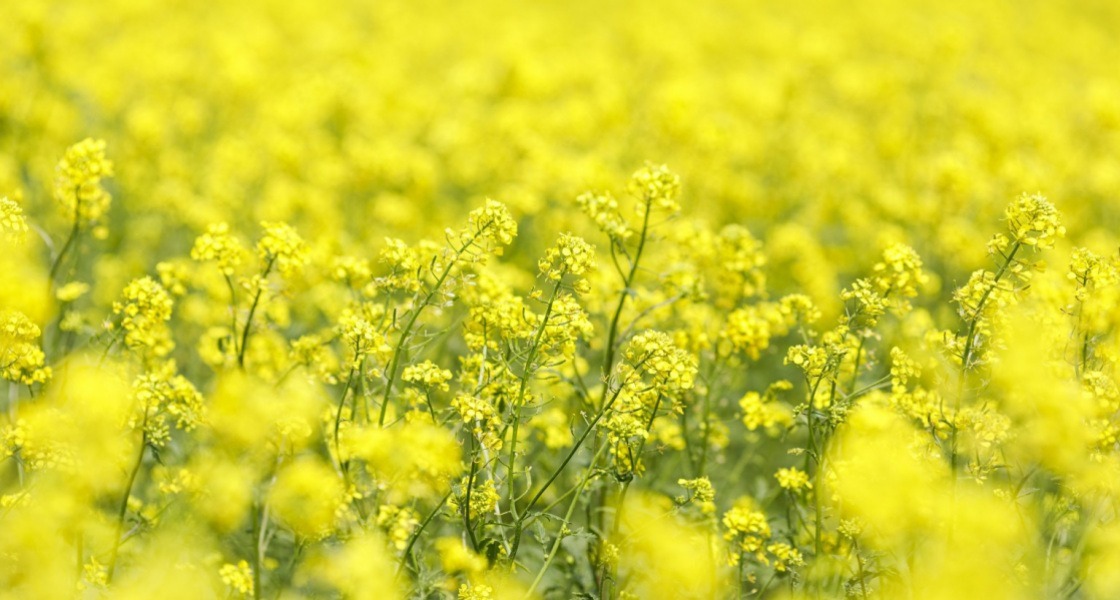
(830, 129)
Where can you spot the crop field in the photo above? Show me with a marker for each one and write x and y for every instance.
(604, 300)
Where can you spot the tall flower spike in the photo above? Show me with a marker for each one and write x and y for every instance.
(571, 255)
(656, 186)
(491, 225)
(1034, 221)
(145, 308)
(77, 183)
(281, 245)
(218, 245)
(21, 358)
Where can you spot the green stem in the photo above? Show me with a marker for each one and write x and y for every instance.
(253, 311)
(394, 362)
(519, 524)
(232, 313)
(859, 566)
(257, 562)
(966, 355)
(567, 519)
(855, 369)
(123, 508)
(635, 460)
(419, 530)
(74, 231)
(525, 377)
(470, 486)
(338, 417)
(608, 361)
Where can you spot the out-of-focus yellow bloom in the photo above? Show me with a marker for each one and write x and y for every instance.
(308, 497)
(663, 557)
(13, 223)
(361, 567)
(238, 578)
(425, 471)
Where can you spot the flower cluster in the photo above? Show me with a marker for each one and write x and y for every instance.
(162, 397)
(570, 256)
(220, 246)
(13, 223)
(700, 491)
(655, 186)
(144, 310)
(238, 578)
(77, 182)
(21, 358)
(282, 247)
(747, 529)
(602, 208)
(792, 479)
(1032, 220)
(671, 369)
(490, 226)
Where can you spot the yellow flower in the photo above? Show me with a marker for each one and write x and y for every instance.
(603, 210)
(144, 309)
(570, 256)
(238, 578)
(218, 245)
(21, 358)
(13, 223)
(655, 186)
(793, 479)
(282, 247)
(71, 291)
(1032, 220)
(77, 183)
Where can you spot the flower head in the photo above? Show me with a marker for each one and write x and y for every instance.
(13, 223)
(655, 186)
(282, 246)
(77, 182)
(571, 255)
(1033, 220)
(218, 245)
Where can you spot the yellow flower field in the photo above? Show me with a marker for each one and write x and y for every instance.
(602, 300)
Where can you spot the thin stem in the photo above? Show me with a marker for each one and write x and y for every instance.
(394, 362)
(253, 311)
(257, 562)
(859, 565)
(467, 501)
(969, 347)
(966, 356)
(567, 519)
(74, 231)
(233, 313)
(338, 417)
(420, 529)
(855, 369)
(608, 361)
(515, 410)
(123, 508)
(519, 524)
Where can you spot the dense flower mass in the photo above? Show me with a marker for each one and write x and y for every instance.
(495, 300)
